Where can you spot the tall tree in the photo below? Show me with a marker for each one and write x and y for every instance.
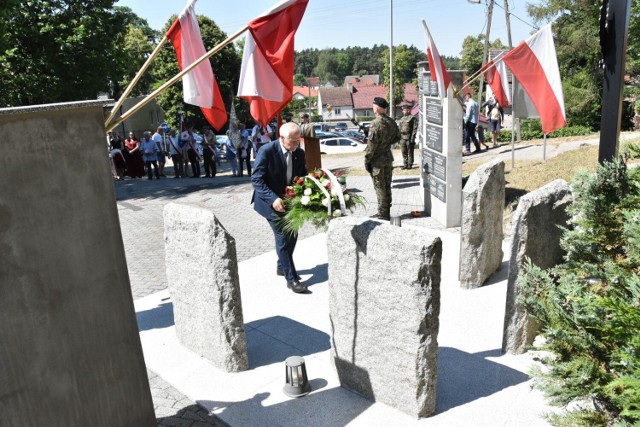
(58, 50)
(226, 67)
(327, 67)
(404, 71)
(132, 45)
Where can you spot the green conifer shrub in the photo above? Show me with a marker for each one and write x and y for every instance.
(589, 306)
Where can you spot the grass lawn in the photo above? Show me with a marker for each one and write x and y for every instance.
(527, 175)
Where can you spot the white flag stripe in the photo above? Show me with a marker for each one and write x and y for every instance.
(277, 7)
(198, 83)
(504, 80)
(543, 47)
(257, 77)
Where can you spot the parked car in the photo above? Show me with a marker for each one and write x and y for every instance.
(322, 135)
(340, 126)
(341, 145)
(353, 134)
(321, 127)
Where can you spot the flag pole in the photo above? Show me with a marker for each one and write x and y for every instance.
(177, 77)
(475, 76)
(135, 80)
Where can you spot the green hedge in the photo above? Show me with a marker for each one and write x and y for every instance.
(589, 306)
(531, 129)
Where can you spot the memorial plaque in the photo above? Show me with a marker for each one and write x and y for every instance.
(426, 85)
(433, 138)
(434, 164)
(433, 88)
(439, 166)
(433, 111)
(438, 189)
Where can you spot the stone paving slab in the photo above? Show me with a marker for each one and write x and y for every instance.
(140, 204)
(476, 384)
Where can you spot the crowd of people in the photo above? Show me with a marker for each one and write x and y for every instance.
(190, 152)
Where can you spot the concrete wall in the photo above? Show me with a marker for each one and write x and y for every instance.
(70, 354)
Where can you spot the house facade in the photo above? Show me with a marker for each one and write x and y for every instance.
(335, 104)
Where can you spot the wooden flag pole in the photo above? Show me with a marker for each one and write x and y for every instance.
(135, 80)
(475, 76)
(172, 81)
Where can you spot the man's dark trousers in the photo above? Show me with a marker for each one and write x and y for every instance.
(285, 245)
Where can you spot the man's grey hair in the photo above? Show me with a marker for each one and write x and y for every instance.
(288, 128)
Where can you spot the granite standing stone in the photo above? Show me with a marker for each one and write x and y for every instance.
(70, 352)
(384, 299)
(481, 230)
(202, 276)
(536, 235)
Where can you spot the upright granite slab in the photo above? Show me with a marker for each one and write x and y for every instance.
(202, 277)
(481, 230)
(536, 235)
(384, 302)
(70, 352)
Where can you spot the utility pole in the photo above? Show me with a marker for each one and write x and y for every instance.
(391, 112)
(486, 49)
(614, 32)
(507, 18)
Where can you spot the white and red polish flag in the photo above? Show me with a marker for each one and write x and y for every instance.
(199, 85)
(436, 65)
(497, 78)
(535, 65)
(266, 77)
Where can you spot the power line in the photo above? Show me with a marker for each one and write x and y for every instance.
(518, 18)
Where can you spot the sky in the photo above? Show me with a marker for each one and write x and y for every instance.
(344, 23)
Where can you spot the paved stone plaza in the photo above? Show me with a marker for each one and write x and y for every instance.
(140, 204)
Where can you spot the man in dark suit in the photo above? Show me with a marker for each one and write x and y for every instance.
(276, 164)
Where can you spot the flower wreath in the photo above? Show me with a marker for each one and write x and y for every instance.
(317, 198)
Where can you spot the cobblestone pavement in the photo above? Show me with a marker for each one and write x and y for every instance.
(140, 204)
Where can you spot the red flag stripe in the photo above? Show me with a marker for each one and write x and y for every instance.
(526, 67)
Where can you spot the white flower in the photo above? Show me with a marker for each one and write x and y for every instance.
(346, 197)
(325, 182)
(334, 192)
(307, 191)
(304, 200)
(325, 202)
(337, 213)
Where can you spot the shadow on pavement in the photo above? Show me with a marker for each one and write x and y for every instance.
(319, 274)
(499, 275)
(273, 339)
(169, 188)
(157, 318)
(191, 414)
(333, 407)
(465, 377)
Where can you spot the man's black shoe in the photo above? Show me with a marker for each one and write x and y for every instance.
(281, 273)
(296, 287)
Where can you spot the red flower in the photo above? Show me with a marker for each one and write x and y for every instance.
(289, 192)
(299, 181)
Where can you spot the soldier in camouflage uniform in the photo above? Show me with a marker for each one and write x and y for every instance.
(378, 160)
(408, 127)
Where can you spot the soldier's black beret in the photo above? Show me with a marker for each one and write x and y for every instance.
(380, 102)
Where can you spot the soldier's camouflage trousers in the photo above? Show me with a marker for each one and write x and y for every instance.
(407, 152)
(382, 184)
